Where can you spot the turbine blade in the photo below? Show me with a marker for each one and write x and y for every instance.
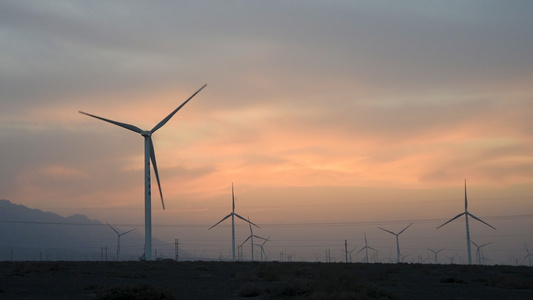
(220, 221)
(112, 228)
(481, 221)
(372, 248)
(258, 237)
(405, 228)
(451, 220)
(246, 220)
(387, 231)
(466, 201)
(123, 125)
(268, 239)
(232, 198)
(474, 243)
(154, 164)
(246, 240)
(165, 120)
(485, 244)
(527, 250)
(360, 250)
(129, 231)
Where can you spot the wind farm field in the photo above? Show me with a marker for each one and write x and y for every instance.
(168, 279)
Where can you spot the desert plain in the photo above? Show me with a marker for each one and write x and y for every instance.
(168, 279)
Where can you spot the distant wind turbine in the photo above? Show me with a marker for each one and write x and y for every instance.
(366, 247)
(263, 248)
(528, 255)
(478, 251)
(251, 238)
(348, 252)
(436, 252)
(233, 214)
(149, 155)
(397, 240)
(466, 214)
(118, 237)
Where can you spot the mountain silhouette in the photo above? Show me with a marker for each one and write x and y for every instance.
(32, 235)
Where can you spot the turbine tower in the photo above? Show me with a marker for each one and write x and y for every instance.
(149, 155)
(397, 239)
(118, 236)
(232, 215)
(466, 214)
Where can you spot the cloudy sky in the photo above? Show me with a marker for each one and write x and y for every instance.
(330, 117)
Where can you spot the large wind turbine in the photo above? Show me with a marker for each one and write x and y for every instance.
(232, 215)
(466, 214)
(118, 236)
(397, 239)
(149, 154)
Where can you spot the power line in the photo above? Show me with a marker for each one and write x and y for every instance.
(267, 225)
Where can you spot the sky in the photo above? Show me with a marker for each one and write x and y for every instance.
(330, 118)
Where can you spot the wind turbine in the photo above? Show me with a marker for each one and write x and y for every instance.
(233, 214)
(251, 238)
(366, 247)
(528, 255)
(149, 155)
(118, 236)
(451, 258)
(466, 214)
(478, 251)
(348, 252)
(436, 252)
(397, 239)
(262, 248)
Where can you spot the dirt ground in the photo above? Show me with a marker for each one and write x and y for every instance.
(269, 280)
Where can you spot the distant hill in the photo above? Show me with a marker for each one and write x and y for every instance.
(32, 234)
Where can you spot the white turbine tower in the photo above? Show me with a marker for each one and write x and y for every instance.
(149, 154)
(466, 214)
(251, 238)
(397, 240)
(528, 255)
(118, 236)
(366, 247)
(436, 252)
(232, 215)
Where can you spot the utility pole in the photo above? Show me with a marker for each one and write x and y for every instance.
(346, 250)
(176, 249)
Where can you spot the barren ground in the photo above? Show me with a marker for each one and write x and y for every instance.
(270, 280)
